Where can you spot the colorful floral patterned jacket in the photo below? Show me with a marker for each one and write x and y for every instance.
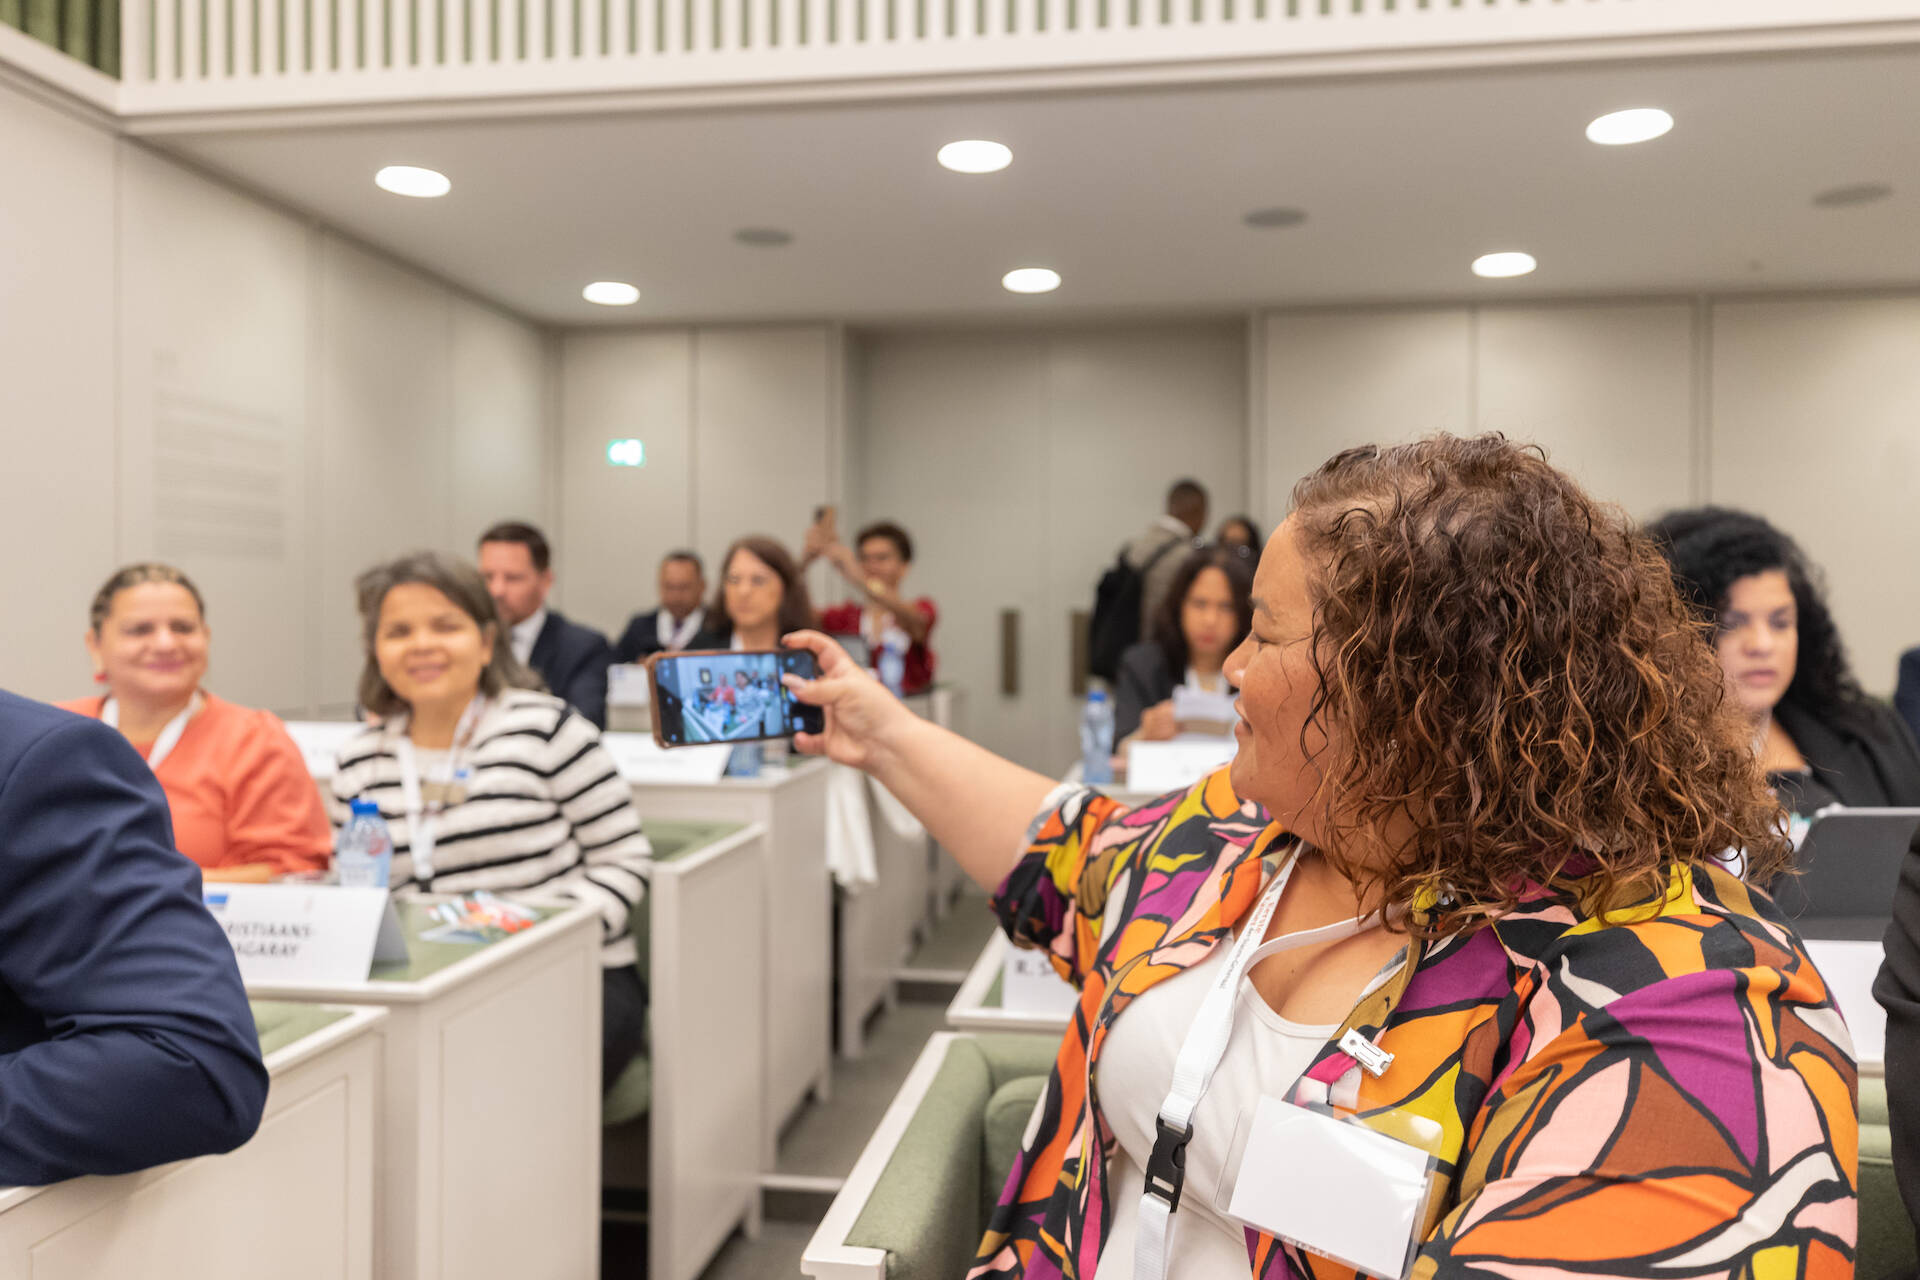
(1668, 1094)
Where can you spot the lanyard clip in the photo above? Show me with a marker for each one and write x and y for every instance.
(1371, 1057)
(1167, 1166)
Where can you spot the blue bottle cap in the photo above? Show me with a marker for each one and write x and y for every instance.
(365, 809)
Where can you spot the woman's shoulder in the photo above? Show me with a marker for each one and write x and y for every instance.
(1146, 659)
(89, 706)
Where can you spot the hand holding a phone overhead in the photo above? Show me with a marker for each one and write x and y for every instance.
(862, 718)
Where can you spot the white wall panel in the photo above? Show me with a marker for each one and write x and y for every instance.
(502, 454)
(1335, 379)
(57, 355)
(213, 400)
(1606, 390)
(384, 410)
(614, 523)
(764, 405)
(1816, 425)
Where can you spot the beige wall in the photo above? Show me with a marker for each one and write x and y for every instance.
(1805, 410)
(240, 392)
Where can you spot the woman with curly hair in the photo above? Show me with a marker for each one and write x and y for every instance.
(1821, 740)
(1485, 769)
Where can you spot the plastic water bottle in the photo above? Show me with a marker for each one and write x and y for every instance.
(893, 668)
(1096, 740)
(363, 851)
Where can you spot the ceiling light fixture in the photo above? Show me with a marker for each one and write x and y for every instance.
(1502, 266)
(407, 180)
(975, 155)
(1031, 280)
(1851, 194)
(763, 237)
(1624, 128)
(611, 293)
(1279, 216)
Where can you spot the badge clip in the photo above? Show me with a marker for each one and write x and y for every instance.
(1371, 1057)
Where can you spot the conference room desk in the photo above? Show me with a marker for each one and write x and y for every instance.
(944, 704)
(980, 1004)
(790, 802)
(296, 1202)
(492, 1070)
(881, 919)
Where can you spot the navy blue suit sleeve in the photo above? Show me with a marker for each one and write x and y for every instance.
(150, 1052)
(586, 687)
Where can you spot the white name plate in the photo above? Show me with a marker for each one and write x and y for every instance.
(1849, 969)
(1155, 768)
(641, 759)
(1028, 984)
(320, 742)
(304, 934)
(627, 685)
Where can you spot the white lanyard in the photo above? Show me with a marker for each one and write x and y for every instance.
(676, 638)
(421, 832)
(169, 737)
(1200, 1054)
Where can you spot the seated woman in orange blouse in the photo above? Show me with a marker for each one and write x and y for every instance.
(244, 806)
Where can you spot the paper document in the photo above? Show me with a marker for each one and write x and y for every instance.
(1028, 984)
(627, 686)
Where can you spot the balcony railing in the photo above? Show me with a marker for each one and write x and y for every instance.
(186, 57)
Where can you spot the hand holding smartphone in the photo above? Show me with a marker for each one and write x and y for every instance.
(720, 695)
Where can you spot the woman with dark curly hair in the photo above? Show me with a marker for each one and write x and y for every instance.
(1821, 740)
(1485, 771)
(1205, 615)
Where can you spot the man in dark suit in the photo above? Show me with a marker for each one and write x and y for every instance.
(1906, 693)
(518, 566)
(673, 626)
(125, 1036)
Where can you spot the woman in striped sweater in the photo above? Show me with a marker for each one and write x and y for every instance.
(486, 783)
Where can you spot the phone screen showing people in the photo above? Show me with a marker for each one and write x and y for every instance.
(729, 697)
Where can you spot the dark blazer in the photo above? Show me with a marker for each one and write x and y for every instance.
(1898, 991)
(1145, 679)
(573, 660)
(641, 639)
(1867, 761)
(1906, 693)
(125, 1036)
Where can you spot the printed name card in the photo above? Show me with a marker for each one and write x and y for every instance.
(641, 759)
(1849, 968)
(320, 742)
(627, 685)
(1154, 768)
(1028, 984)
(306, 935)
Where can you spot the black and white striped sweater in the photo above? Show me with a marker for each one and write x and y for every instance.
(545, 810)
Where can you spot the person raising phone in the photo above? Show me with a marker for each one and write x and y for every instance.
(894, 628)
(1485, 775)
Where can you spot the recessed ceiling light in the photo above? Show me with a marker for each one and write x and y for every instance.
(1624, 128)
(763, 237)
(975, 155)
(1275, 217)
(406, 180)
(1031, 280)
(1499, 266)
(611, 293)
(1852, 194)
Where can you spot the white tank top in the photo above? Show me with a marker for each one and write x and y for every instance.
(1265, 1054)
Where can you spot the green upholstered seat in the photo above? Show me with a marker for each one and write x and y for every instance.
(1886, 1233)
(931, 1204)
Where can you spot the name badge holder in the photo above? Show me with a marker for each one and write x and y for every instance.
(1357, 1189)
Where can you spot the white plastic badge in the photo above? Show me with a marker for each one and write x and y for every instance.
(306, 935)
(1029, 984)
(1333, 1186)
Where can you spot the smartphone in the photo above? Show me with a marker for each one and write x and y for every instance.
(718, 695)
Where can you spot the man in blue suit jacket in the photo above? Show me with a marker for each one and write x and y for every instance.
(125, 1036)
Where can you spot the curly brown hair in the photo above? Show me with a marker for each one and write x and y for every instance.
(1530, 701)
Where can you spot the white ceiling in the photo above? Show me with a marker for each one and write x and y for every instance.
(1137, 197)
